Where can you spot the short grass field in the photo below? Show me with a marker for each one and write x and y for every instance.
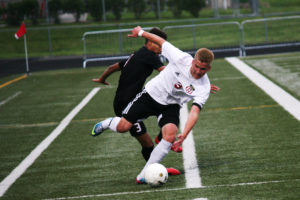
(247, 146)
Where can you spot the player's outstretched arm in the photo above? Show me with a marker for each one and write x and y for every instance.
(190, 123)
(138, 31)
(109, 70)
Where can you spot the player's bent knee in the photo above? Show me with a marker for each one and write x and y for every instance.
(170, 138)
(124, 126)
(169, 132)
(122, 129)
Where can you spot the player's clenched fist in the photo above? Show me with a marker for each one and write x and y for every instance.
(135, 32)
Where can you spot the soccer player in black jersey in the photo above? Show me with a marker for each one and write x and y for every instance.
(134, 72)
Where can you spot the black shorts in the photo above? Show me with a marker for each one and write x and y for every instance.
(139, 127)
(144, 106)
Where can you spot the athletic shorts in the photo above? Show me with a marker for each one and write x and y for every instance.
(139, 127)
(144, 106)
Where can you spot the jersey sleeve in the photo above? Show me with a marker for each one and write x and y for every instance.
(202, 97)
(172, 53)
(122, 63)
(200, 101)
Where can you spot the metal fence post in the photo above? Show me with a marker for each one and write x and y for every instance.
(49, 41)
(84, 48)
(242, 47)
(216, 9)
(103, 10)
(266, 31)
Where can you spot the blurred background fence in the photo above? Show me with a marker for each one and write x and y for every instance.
(46, 39)
(224, 36)
(57, 41)
(228, 27)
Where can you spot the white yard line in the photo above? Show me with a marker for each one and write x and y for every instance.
(10, 98)
(29, 160)
(191, 169)
(172, 189)
(287, 101)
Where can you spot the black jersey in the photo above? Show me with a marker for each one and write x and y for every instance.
(135, 71)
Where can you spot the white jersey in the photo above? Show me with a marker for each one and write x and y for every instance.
(175, 84)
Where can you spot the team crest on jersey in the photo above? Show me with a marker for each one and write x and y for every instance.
(178, 85)
(189, 89)
(192, 87)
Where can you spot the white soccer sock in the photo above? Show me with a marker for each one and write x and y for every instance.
(106, 122)
(157, 155)
(113, 123)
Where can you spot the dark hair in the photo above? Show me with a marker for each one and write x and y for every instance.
(159, 33)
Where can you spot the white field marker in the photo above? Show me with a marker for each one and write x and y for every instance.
(170, 190)
(287, 101)
(192, 172)
(10, 98)
(29, 160)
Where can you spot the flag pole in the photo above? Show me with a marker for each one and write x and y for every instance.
(26, 56)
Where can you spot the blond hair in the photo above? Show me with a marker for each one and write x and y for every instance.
(204, 55)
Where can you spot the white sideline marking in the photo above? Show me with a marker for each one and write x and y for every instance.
(284, 76)
(29, 160)
(287, 101)
(168, 190)
(191, 169)
(10, 98)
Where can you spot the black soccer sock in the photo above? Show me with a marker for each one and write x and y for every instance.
(146, 151)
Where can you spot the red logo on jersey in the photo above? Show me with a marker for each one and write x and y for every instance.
(178, 85)
(189, 89)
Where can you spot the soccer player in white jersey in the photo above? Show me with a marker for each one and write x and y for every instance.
(182, 80)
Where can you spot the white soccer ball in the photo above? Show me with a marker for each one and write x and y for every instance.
(156, 175)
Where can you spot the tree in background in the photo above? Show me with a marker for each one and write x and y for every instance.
(31, 10)
(54, 7)
(194, 6)
(95, 9)
(154, 6)
(116, 6)
(1, 11)
(176, 7)
(137, 7)
(14, 13)
(74, 6)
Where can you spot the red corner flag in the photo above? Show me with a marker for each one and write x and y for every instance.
(21, 31)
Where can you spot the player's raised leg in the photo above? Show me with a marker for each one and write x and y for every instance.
(115, 124)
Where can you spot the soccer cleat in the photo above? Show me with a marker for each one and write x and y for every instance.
(178, 150)
(173, 172)
(140, 181)
(99, 128)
